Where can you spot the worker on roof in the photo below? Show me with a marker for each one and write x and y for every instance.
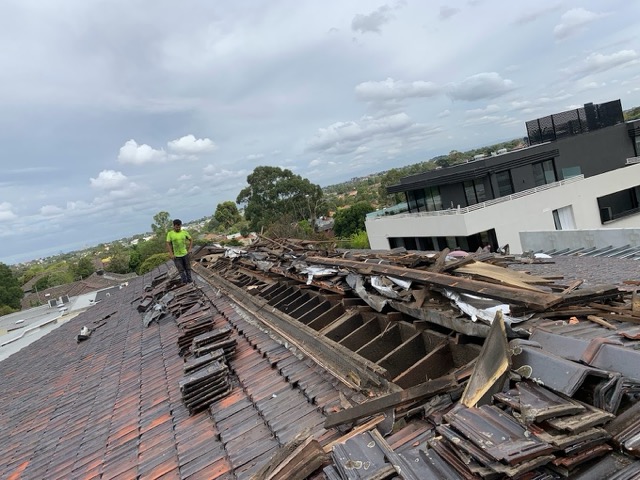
(179, 243)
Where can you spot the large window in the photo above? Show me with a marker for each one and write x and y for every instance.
(505, 184)
(544, 173)
(424, 200)
(470, 244)
(474, 191)
(620, 204)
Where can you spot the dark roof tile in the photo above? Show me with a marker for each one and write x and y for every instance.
(111, 407)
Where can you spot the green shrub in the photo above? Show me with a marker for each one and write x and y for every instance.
(359, 240)
(152, 262)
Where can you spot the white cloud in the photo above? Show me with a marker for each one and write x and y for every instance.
(483, 111)
(255, 156)
(447, 12)
(115, 186)
(533, 15)
(373, 21)
(583, 86)
(189, 145)
(519, 104)
(574, 21)
(109, 180)
(486, 119)
(51, 211)
(136, 154)
(216, 176)
(560, 97)
(481, 86)
(6, 212)
(184, 178)
(346, 137)
(597, 62)
(391, 89)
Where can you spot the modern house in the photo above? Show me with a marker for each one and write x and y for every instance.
(581, 171)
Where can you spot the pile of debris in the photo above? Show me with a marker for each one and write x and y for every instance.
(411, 282)
(485, 371)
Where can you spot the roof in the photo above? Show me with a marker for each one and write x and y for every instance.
(112, 407)
(90, 284)
(267, 356)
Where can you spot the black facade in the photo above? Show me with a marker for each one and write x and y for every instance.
(600, 143)
(574, 122)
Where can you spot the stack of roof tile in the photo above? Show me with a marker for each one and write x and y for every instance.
(493, 441)
(572, 427)
(207, 376)
(204, 386)
(625, 430)
(216, 339)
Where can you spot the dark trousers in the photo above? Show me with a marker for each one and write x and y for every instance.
(183, 264)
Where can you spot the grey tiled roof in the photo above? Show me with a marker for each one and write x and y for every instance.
(111, 406)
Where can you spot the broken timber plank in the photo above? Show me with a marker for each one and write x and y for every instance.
(457, 263)
(572, 286)
(302, 462)
(441, 259)
(620, 317)
(538, 301)
(356, 431)
(380, 404)
(503, 275)
(601, 321)
(612, 309)
(583, 295)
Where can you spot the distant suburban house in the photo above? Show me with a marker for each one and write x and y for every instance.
(581, 171)
(324, 224)
(94, 282)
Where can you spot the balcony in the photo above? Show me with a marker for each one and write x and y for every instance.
(475, 207)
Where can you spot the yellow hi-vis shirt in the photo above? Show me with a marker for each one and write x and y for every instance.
(179, 242)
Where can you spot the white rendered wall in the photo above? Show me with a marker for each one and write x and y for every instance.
(529, 213)
(601, 238)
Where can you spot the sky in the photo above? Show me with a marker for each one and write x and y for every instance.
(112, 111)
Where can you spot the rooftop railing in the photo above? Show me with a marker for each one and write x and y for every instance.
(488, 203)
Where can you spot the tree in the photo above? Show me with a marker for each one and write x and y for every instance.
(42, 283)
(227, 214)
(161, 224)
(391, 177)
(212, 225)
(10, 291)
(83, 268)
(284, 227)
(119, 259)
(135, 259)
(273, 193)
(153, 246)
(351, 220)
(30, 273)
